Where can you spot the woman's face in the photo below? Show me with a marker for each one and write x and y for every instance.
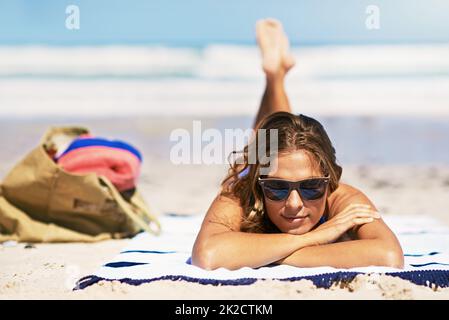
(293, 215)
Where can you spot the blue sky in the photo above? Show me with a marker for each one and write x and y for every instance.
(199, 22)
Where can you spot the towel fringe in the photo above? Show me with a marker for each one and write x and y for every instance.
(428, 278)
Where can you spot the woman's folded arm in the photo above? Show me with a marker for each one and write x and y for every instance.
(376, 244)
(220, 244)
(233, 250)
(348, 254)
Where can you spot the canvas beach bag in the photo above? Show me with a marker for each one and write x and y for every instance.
(40, 202)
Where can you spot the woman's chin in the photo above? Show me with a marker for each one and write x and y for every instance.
(295, 226)
(296, 230)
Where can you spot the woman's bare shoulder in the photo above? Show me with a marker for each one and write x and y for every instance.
(226, 211)
(224, 214)
(345, 195)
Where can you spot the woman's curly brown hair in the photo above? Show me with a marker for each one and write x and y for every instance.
(295, 132)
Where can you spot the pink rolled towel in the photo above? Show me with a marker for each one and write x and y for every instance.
(116, 160)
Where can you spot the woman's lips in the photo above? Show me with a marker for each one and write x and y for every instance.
(295, 219)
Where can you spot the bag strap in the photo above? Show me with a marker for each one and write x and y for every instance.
(125, 206)
(151, 214)
(71, 133)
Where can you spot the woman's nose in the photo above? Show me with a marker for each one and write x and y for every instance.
(294, 200)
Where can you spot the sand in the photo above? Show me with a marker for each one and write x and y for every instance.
(49, 271)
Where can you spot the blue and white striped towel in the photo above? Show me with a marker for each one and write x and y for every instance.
(147, 258)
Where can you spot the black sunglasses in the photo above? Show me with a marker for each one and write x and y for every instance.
(279, 190)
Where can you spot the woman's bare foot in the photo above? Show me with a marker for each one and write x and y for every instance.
(274, 46)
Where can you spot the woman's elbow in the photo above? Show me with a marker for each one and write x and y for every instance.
(394, 259)
(203, 258)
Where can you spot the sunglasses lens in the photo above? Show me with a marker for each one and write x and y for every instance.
(276, 190)
(313, 189)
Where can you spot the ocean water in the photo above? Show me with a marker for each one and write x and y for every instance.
(381, 104)
(40, 81)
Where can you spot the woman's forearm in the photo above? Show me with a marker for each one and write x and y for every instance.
(234, 250)
(348, 254)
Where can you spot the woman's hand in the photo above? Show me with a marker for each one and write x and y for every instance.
(353, 215)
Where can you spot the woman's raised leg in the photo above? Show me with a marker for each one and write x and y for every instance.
(276, 62)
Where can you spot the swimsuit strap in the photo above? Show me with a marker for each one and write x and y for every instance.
(323, 218)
